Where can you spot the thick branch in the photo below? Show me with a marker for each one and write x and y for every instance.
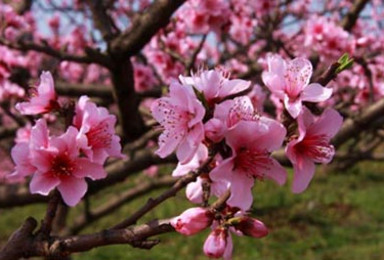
(127, 101)
(19, 242)
(351, 17)
(354, 126)
(101, 19)
(76, 90)
(143, 28)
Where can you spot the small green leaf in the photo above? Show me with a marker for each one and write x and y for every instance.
(345, 63)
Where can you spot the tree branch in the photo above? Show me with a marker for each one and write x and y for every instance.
(354, 126)
(91, 56)
(152, 203)
(143, 28)
(119, 200)
(351, 17)
(76, 90)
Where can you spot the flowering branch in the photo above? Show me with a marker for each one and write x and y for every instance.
(116, 202)
(152, 203)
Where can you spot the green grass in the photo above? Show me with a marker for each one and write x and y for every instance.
(340, 217)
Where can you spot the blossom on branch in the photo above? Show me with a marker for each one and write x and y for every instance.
(289, 81)
(312, 145)
(251, 143)
(96, 135)
(181, 115)
(60, 165)
(44, 98)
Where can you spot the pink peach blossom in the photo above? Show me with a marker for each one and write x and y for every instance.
(251, 143)
(96, 131)
(38, 138)
(312, 145)
(227, 114)
(181, 115)
(44, 100)
(289, 81)
(215, 85)
(59, 165)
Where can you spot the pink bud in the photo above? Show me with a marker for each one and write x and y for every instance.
(192, 221)
(252, 227)
(216, 243)
(214, 130)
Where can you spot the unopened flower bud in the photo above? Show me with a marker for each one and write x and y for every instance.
(216, 243)
(214, 130)
(192, 221)
(251, 227)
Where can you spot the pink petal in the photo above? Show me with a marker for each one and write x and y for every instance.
(188, 147)
(274, 82)
(305, 120)
(222, 171)
(42, 159)
(194, 191)
(290, 150)
(276, 172)
(273, 139)
(98, 155)
(43, 183)
(39, 135)
(303, 174)
(241, 191)
(167, 144)
(29, 108)
(232, 87)
(294, 108)
(299, 72)
(72, 190)
(276, 64)
(329, 123)
(200, 156)
(229, 248)
(245, 133)
(85, 168)
(46, 86)
(316, 93)
(210, 84)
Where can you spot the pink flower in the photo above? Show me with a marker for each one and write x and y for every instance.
(192, 221)
(215, 85)
(199, 157)
(181, 115)
(21, 152)
(227, 114)
(96, 131)
(251, 227)
(289, 82)
(59, 165)
(312, 146)
(218, 244)
(44, 100)
(251, 143)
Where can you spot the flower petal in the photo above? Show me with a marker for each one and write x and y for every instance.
(43, 183)
(72, 190)
(303, 174)
(293, 107)
(316, 93)
(276, 172)
(85, 168)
